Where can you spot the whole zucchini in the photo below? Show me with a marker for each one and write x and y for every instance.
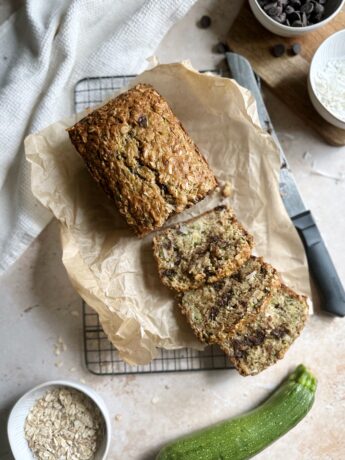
(243, 437)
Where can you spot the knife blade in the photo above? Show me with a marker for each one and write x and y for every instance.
(319, 259)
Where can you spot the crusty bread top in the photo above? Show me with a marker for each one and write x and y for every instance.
(140, 154)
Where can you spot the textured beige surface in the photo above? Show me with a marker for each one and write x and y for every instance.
(37, 300)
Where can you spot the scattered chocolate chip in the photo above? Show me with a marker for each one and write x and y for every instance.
(205, 22)
(278, 50)
(295, 48)
(222, 48)
(142, 121)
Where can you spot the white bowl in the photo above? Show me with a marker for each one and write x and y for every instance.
(332, 8)
(332, 47)
(19, 412)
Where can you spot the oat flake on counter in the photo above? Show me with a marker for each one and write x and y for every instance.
(330, 87)
(64, 424)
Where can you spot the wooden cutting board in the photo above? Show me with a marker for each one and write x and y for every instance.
(286, 76)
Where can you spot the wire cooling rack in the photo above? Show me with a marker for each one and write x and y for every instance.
(101, 357)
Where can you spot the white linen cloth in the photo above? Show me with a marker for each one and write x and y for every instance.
(45, 48)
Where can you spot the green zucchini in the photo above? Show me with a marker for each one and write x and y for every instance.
(245, 436)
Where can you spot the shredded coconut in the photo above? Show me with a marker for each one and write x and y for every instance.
(330, 87)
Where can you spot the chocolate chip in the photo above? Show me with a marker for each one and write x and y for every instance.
(278, 50)
(142, 121)
(289, 9)
(169, 273)
(279, 332)
(281, 18)
(295, 13)
(209, 272)
(213, 313)
(295, 48)
(273, 11)
(307, 8)
(295, 3)
(164, 189)
(304, 19)
(167, 244)
(268, 6)
(222, 48)
(318, 8)
(205, 22)
(295, 16)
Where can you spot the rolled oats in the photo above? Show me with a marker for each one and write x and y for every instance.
(64, 424)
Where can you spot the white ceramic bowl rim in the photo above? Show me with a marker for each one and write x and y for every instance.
(304, 28)
(312, 71)
(67, 384)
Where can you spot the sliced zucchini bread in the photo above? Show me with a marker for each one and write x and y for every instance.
(255, 345)
(202, 250)
(213, 310)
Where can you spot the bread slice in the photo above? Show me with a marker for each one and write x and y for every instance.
(137, 150)
(202, 250)
(214, 310)
(257, 344)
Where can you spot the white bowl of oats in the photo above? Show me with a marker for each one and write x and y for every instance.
(59, 419)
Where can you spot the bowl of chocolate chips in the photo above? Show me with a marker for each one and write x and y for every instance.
(291, 18)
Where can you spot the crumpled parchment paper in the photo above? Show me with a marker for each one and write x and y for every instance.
(113, 270)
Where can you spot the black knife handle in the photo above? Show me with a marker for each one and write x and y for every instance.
(321, 265)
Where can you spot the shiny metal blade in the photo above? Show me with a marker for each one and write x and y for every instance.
(242, 72)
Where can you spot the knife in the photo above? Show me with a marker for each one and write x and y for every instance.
(319, 260)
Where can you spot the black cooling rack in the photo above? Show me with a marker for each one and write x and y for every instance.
(101, 357)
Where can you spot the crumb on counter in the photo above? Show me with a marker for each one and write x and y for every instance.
(227, 189)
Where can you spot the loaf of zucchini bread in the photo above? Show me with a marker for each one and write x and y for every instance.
(142, 157)
(202, 250)
(214, 310)
(255, 345)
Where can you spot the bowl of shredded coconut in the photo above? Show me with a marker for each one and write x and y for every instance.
(59, 420)
(326, 83)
